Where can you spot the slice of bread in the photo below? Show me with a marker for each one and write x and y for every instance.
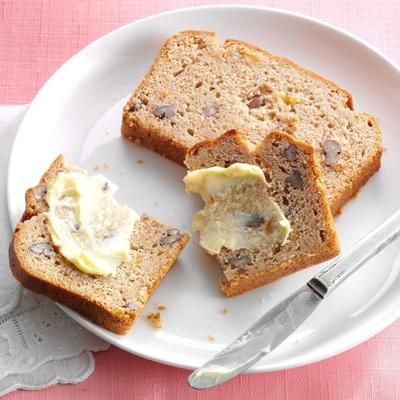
(198, 88)
(113, 302)
(293, 177)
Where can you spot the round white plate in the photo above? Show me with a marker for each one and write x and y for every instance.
(78, 113)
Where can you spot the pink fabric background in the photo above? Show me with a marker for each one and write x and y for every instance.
(36, 37)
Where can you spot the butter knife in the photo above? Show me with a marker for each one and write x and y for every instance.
(282, 320)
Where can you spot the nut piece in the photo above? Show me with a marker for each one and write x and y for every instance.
(290, 152)
(296, 180)
(42, 248)
(255, 102)
(254, 220)
(238, 260)
(136, 106)
(165, 111)
(40, 191)
(210, 111)
(171, 236)
(332, 151)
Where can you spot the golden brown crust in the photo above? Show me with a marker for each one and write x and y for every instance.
(231, 134)
(243, 283)
(359, 179)
(154, 140)
(33, 205)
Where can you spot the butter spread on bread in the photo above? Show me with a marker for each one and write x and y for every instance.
(86, 223)
(238, 212)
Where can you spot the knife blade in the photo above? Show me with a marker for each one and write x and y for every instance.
(283, 319)
(257, 341)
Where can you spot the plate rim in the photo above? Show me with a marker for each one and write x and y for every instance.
(331, 351)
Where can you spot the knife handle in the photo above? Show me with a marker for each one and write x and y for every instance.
(345, 265)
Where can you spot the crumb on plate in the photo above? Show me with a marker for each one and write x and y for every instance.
(155, 320)
(224, 311)
(96, 167)
(161, 307)
(105, 166)
(140, 161)
(211, 338)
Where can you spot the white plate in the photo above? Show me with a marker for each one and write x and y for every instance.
(78, 113)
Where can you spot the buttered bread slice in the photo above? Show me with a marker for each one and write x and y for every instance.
(199, 88)
(76, 245)
(266, 213)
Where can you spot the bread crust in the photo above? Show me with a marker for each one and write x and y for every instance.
(244, 283)
(154, 140)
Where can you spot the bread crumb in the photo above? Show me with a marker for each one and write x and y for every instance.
(224, 311)
(96, 167)
(385, 149)
(105, 166)
(211, 338)
(140, 161)
(161, 307)
(155, 320)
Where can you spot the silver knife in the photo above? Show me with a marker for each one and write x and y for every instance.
(282, 320)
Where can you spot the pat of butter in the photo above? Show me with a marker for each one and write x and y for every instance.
(86, 223)
(211, 181)
(238, 212)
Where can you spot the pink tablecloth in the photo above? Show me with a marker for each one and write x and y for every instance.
(35, 38)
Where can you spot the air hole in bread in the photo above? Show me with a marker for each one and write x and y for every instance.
(331, 125)
(285, 201)
(198, 84)
(190, 131)
(322, 234)
(370, 123)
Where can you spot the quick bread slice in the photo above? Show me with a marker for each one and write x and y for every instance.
(294, 183)
(199, 88)
(113, 302)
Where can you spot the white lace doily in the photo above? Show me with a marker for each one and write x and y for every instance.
(39, 344)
